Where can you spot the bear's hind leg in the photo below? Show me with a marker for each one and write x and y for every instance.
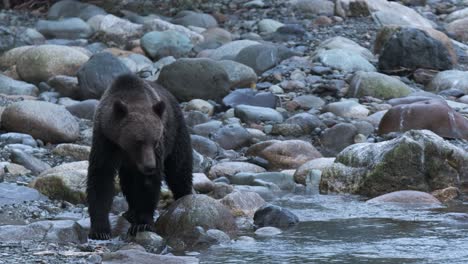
(178, 169)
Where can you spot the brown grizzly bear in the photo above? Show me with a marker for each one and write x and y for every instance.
(140, 132)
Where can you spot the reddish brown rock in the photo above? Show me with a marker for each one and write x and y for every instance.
(435, 115)
(288, 154)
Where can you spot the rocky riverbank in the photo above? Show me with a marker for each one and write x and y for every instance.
(360, 97)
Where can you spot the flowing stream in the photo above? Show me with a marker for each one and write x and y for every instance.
(345, 229)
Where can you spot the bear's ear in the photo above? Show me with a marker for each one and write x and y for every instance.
(120, 109)
(159, 108)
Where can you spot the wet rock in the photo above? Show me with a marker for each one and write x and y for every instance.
(15, 194)
(9, 58)
(307, 122)
(347, 108)
(207, 129)
(205, 146)
(352, 8)
(305, 169)
(71, 8)
(42, 120)
(148, 240)
(201, 106)
(190, 18)
(448, 194)
(239, 75)
(344, 60)
(13, 37)
(221, 189)
(307, 102)
(413, 48)
(114, 30)
(62, 231)
(346, 44)
(315, 7)
(280, 180)
(218, 235)
(393, 13)
(268, 231)
(231, 168)
(217, 36)
(138, 256)
(18, 138)
(202, 184)
(65, 182)
(418, 160)
(435, 115)
(84, 109)
(183, 216)
(268, 25)
(200, 163)
(207, 79)
(66, 86)
(167, 43)
(377, 85)
(231, 49)
(193, 118)
(275, 216)
(69, 28)
(78, 152)
(255, 114)
(459, 14)
(406, 197)
(449, 79)
(39, 63)
(457, 28)
(262, 57)
(250, 97)
(243, 203)
(13, 87)
(161, 25)
(288, 154)
(30, 162)
(232, 136)
(337, 138)
(97, 74)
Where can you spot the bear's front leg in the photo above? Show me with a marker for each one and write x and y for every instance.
(100, 190)
(142, 202)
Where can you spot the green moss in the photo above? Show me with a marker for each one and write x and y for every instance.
(54, 188)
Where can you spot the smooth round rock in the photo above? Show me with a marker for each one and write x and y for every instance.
(39, 63)
(46, 121)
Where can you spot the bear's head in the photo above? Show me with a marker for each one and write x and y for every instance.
(139, 134)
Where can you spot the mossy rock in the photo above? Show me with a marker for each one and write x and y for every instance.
(54, 188)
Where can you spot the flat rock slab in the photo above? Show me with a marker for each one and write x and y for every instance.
(14, 194)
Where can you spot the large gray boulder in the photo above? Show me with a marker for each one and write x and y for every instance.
(179, 224)
(191, 79)
(418, 160)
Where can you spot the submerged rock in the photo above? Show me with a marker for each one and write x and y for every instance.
(272, 215)
(406, 197)
(418, 160)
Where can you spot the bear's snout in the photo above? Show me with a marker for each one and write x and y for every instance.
(149, 169)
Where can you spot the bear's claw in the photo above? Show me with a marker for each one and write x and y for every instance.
(135, 228)
(99, 236)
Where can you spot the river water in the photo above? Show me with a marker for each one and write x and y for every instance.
(345, 229)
